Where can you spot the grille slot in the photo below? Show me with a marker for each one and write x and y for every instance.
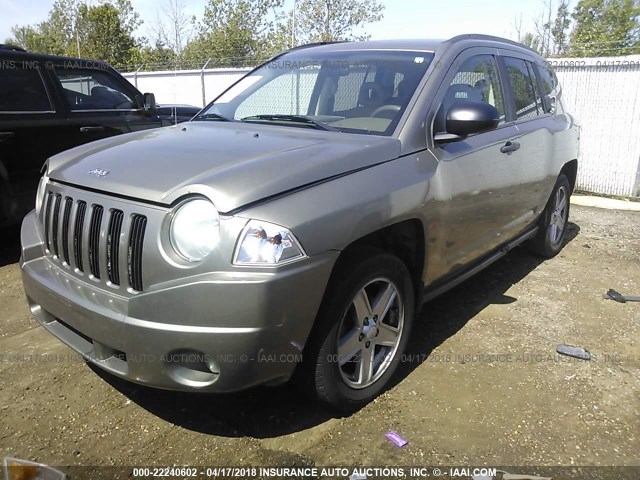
(47, 221)
(77, 234)
(66, 218)
(113, 246)
(56, 223)
(134, 258)
(94, 240)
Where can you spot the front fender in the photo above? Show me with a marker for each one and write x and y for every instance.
(332, 215)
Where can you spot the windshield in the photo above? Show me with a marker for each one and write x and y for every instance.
(350, 91)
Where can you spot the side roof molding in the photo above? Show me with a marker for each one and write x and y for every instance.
(488, 38)
(13, 48)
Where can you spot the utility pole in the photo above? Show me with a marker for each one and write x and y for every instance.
(293, 25)
(77, 40)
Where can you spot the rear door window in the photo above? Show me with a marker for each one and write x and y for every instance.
(22, 90)
(522, 81)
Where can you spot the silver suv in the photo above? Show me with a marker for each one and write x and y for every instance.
(300, 220)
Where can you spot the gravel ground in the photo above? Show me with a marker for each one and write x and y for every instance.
(482, 384)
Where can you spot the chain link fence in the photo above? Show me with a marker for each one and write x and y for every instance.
(603, 94)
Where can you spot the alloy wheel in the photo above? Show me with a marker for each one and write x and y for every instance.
(558, 218)
(369, 333)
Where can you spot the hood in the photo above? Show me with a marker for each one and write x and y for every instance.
(234, 164)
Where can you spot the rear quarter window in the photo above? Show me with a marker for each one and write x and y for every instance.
(549, 87)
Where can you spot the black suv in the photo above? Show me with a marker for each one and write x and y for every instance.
(49, 104)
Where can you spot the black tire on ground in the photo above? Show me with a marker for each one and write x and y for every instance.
(361, 331)
(553, 223)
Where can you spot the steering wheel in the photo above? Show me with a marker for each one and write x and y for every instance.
(370, 94)
(389, 109)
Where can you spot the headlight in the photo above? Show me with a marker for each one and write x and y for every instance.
(195, 230)
(42, 186)
(266, 244)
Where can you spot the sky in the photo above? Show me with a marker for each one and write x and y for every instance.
(402, 18)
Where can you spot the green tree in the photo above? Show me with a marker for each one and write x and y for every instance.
(280, 37)
(158, 57)
(234, 32)
(606, 28)
(104, 31)
(104, 34)
(27, 37)
(52, 35)
(333, 20)
(560, 27)
(531, 41)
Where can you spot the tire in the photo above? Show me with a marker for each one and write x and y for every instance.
(552, 225)
(370, 300)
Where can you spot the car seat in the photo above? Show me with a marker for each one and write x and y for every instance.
(456, 92)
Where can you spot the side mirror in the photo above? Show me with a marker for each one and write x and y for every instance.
(149, 102)
(468, 117)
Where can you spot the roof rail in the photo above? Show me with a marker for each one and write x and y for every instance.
(481, 36)
(316, 44)
(8, 46)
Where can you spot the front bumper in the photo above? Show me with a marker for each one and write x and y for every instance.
(257, 323)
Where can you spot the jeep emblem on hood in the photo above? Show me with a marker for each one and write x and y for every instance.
(99, 172)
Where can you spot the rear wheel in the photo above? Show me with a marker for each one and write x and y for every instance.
(552, 226)
(361, 332)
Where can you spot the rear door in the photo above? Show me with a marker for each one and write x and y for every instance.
(536, 125)
(99, 103)
(31, 130)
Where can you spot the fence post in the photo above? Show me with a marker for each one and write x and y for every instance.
(135, 75)
(204, 100)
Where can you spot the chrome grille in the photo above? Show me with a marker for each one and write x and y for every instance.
(134, 260)
(77, 234)
(47, 220)
(56, 222)
(87, 235)
(68, 203)
(94, 240)
(113, 246)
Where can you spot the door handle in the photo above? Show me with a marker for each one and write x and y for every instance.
(6, 136)
(510, 147)
(91, 129)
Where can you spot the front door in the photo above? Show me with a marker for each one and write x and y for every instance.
(99, 104)
(477, 181)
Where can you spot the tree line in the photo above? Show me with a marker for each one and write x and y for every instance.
(594, 28)
(234, 33)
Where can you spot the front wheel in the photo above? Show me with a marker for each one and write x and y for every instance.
(552, 226)
(361, 331)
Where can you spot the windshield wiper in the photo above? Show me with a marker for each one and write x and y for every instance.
(214, 116)
(290, 119)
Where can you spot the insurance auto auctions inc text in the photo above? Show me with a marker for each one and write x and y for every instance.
(361, 473)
